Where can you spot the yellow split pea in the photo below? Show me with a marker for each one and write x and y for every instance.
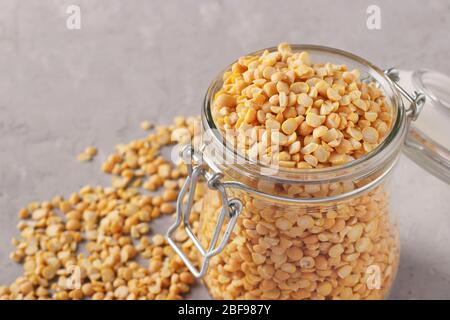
(112, 224)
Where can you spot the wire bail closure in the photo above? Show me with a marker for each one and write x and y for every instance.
(417, 100)
(231, 208)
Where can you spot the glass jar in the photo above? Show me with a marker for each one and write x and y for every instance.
(323, 233)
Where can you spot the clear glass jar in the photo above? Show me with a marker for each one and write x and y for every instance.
(323, 233)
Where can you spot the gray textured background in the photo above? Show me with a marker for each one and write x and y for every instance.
(61, 90)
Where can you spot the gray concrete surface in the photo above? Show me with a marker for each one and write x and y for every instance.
(61, 90)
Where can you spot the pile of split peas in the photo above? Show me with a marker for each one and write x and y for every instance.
(95, 243)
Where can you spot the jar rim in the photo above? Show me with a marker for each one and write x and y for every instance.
(356, 169)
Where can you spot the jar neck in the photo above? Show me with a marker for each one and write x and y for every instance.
(365, 173)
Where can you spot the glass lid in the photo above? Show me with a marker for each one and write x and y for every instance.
(428, 142)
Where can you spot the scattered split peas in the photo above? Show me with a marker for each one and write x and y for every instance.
(112, 224)
(323, 107)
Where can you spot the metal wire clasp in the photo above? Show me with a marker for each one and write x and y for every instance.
(230, 207)
(417, 100)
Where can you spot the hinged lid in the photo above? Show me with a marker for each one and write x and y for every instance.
(428, 141)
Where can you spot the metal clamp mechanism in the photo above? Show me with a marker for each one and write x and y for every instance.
(230, 207)
(417, 100)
